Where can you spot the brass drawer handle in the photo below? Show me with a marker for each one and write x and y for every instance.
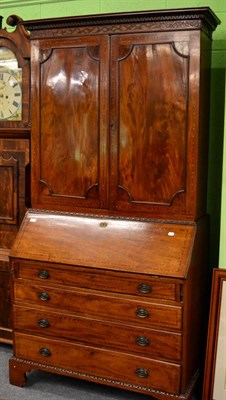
(142, 372)
(142, 341)
(43, 274)
(43, 323)
(45, 352)
(144, 288)
(142, 313)
(44, 296)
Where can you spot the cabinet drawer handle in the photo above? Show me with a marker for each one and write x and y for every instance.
(142, 313)
(142, 372)
(144, 288)
(142, 341)
(43, 274)
(43, 323)
(45, 352)
(43, 296)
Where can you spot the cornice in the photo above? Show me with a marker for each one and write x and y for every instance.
(202, 18)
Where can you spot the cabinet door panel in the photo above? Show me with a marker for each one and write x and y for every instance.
(71, 162)
(9, 190)
(14, 160)
(149, 136)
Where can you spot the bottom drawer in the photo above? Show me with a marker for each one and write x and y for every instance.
(121, 367)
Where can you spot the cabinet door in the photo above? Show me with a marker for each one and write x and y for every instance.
(153, 146)
(14, 178)
(69, 129)
(9, 189)
(14, 193)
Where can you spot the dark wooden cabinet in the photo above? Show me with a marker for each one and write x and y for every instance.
(14, 154)
(119, 115)
(110, 264)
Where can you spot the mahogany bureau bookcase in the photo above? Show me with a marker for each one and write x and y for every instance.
(110, 264)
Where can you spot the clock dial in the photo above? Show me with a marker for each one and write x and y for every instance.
(10, 96)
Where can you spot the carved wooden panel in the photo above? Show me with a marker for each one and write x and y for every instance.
(9, 190)
(71, 141)
(151, 96)
(14, 177)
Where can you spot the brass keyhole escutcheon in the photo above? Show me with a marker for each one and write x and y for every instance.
(103, 224)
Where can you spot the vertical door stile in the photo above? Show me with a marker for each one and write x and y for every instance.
(104, 120)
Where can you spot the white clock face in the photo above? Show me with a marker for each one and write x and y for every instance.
(10, 96)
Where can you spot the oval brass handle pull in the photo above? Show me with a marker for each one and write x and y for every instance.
(142, 313)
(144, 288)
(45, 352)
(142, 341)
(44, 296)
(142, 372)
(43, 274)
(43, 323)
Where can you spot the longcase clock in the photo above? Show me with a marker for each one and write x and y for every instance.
(14, 151)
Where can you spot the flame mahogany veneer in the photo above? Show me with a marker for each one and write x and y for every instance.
(110, 264)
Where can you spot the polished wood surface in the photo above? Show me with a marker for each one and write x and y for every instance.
(43, 238)
(89, 359)
(117, 119)
(131, 316)
(101, 304)
(109, 267)
(111, 281)
(102, 333)
(150, 85)
(70, 154)
(70, 145)
(14, 161)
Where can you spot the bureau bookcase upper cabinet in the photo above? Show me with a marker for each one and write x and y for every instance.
(120, 113)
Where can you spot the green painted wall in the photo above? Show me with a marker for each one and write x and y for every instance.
(32, 9)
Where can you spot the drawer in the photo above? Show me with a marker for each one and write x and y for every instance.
(102, 305)
(91, 362)
(135, 284)
(133, 339)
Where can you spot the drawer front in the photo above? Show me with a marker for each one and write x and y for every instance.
(135, 284)
(118, 308)
(123, 367)
(133, 339)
